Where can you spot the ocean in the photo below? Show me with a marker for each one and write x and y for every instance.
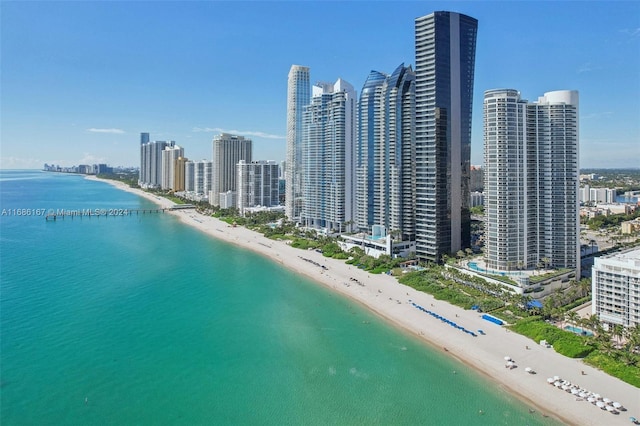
(142, 320)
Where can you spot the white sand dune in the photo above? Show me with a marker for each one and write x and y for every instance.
(486, 353)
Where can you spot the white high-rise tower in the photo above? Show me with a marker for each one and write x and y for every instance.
(328, 154)
(531, 180)
(298, 97)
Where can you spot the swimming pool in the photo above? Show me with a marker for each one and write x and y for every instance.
(578, 330)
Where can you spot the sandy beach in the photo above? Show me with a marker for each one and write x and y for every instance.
(486, 353)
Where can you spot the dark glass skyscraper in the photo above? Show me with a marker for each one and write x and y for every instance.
(445, 60)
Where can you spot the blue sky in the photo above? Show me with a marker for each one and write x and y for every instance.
(81, 80)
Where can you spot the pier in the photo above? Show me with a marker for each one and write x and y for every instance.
(114, 212)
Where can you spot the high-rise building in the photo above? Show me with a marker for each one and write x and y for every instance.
(179, 179)
(201, 177)
(189, 176)
(328, 154)
(169, 156)
(257, 184)
(228, 150)
(151, 161)
(144, 139)
(531, 180)
(445, 60)
(616, 288)
(385, 155)
(298, 97)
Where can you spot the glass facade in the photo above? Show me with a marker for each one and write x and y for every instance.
(445, 60)
(298, 97)
(385, 166)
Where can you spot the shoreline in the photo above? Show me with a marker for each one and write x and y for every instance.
(389, 299)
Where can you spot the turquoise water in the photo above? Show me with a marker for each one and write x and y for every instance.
(578, 330)
(143, 320)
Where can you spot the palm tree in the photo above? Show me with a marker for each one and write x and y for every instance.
(633, 338)
(573, 317)
(607, 348)
(546, 262)
(618, 332)
(585, 286)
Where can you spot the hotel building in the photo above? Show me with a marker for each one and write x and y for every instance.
(385, 155)
(531, 180)
(228, 150)
(328, 156)
(298, 97)
(445, 44)
(616, 288)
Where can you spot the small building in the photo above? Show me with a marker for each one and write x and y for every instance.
(616, 288)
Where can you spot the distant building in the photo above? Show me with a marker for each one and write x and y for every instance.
(630, 226)
(189, 176)
(179, 174)
(328, 157)
(298, 97)
(202, 177)
(169, 156)
(226, 200)
(476, 179)
(597, 195)
(257, 184)
(228, 150)
(477, 199)
(531, 180)
(151, 161)
(102, 169)
(616, 288)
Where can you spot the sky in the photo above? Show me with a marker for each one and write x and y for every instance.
(80, 80)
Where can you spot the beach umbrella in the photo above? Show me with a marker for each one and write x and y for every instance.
(556, 378)
(574, 391)
(591, 400)
(583, 394)
(600, 405)
(617, 405)
(597, 396)
(607, 401)
(610, 408)
(528, 370)
(557, 384)
(507, 358)
(550, 380)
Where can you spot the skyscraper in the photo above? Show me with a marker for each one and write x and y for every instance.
(257, 184)
(179, 174)
(298, 97)
(151, 161)
(385, 156)
(445, 59)
(328, 156)
(169, 156)
(531, 180)
(228, 150)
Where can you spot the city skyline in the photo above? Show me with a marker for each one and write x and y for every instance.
(76, 90)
